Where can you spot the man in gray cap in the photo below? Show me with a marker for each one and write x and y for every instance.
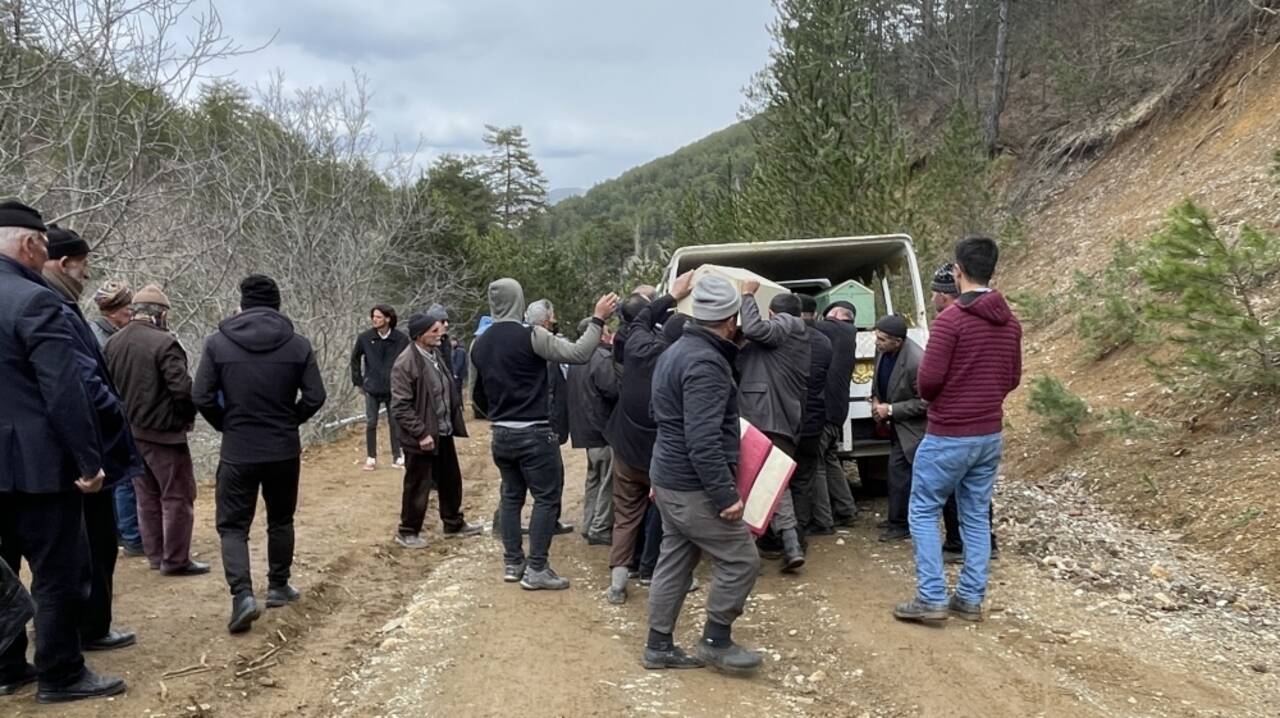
(896, 402)
(695, 404)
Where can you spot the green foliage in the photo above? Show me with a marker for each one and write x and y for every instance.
(1275, 166)
(1211, 296)
(952, 196)
(1033, 308)
(1122, 422)
(513, 176)
(1063, 412)
(1111, 309)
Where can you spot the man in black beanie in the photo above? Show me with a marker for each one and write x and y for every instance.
(896, 402)
(257, 383)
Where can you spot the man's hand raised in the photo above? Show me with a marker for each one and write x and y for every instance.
(605, 306)
(91, 484)
(683, 285)
(750, 286)
(733, 513)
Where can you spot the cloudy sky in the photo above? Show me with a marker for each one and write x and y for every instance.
(599, 86)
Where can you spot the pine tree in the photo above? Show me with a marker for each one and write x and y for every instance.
(513, 176)
(1212, 295)
(1064, 412)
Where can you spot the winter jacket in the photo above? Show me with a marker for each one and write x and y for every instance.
(631, 430)
(512, 377)
(120, 458)
(592, 393)
(48, 426)
(814, 417)
(102, 331)
(973, 360)
(150, 368)
(257, 383)
(696, 407)
(411, 399)
(909, 410)
(459, 359)
(371, 360)
(773, 369)
(844, 349)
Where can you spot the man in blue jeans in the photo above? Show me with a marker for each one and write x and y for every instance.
(511, 375)
(973, 360)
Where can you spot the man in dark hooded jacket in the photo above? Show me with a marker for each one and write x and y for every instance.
(813, 418)
(832, 499)
(257, 383)
(510, 359)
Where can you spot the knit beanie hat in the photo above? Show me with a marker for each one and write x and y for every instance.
(715, 299)
(65, 243)
(16, 214)
(893, 325)
(438, 312)
(420, 323)
(112, 296)
(944, 280)
(259, 290)
(151, 294)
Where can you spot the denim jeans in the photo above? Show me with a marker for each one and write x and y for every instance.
(529, 462)
(127, 513)
(965, 466)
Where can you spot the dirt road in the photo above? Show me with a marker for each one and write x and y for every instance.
(387, 632)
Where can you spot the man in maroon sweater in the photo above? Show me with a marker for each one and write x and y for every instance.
(973, 360)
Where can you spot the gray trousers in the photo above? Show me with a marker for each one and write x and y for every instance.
(831, 498)
(784, 514)
(691, 525)
(597, 496)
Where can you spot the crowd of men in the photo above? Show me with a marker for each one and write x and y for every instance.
(94, 438)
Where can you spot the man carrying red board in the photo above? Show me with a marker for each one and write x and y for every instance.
(693, 476)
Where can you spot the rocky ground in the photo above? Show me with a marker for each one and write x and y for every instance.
(1089, 616)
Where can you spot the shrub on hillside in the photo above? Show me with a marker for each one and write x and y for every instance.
(1063, 412)
(1110, 312)
(1211, 295)
(1034, 308)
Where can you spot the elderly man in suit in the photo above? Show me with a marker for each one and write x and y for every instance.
(895, 400)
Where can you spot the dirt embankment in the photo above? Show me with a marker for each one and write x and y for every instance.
(1209, 472)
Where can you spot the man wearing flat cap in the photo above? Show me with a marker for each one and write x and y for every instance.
(113, 299)
(257, 383)
(896, 402)
(427, 406)
(47, 418)
(66, 271)
(695, 457)
(150, 367)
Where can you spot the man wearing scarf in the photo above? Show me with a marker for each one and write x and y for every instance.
(66, 271)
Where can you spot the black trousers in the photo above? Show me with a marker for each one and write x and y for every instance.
(899, 484)
(372, 403)
(48, 530)
(237, 500)
(422, 472)
(951, 521)
(100, 528)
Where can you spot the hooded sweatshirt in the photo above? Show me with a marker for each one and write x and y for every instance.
(973, 360)
(511, 359)
(257, 383)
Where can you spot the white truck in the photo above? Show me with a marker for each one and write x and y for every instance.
(883, 270)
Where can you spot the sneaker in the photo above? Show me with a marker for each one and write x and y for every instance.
(895, 534)
(280, 595)
(964, 610)
(915, 610)
(465, 531)
(645, 581)
(411, 541)
(132, 549)
(544, 580)
(512, 572)
(562, 528)
(729, 659)
(399, 462)
(675, 657)
(370, 464)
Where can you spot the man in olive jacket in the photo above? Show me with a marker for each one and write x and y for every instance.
(150, 367)
(427, 407)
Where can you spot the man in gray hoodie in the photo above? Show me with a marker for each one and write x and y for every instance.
(511, 374)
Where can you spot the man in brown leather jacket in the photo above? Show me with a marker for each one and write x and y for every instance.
(427, 407)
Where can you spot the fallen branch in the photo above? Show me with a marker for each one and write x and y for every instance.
(247, 671)
(265, 656)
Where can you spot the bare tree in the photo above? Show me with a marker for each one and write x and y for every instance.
(999, 82)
